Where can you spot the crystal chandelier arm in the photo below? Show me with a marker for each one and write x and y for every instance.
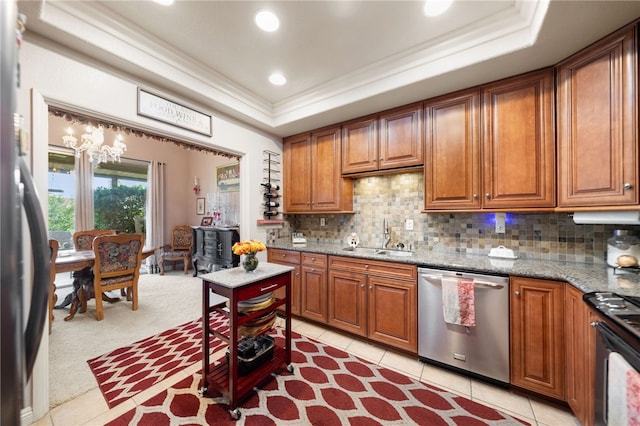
(92, 143)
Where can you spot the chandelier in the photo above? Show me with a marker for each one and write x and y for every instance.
(92, 143)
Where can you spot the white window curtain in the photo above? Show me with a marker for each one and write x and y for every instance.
(84, 193)
(155, 209)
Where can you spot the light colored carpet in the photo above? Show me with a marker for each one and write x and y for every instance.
(165, 301)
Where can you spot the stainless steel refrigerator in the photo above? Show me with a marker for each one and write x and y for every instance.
(22, 277)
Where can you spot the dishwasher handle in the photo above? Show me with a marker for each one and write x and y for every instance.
(476, 283)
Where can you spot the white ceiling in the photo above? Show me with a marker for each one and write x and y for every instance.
(342, 59)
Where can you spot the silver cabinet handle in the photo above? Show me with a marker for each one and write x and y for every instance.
(627, 186)
(517, 293)
(487, 195)
(475, 196)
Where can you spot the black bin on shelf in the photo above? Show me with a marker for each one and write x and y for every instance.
(253, 352)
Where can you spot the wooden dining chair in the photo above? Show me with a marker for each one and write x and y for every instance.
(117, 266)
(180, 248)
(53, 297)
(83, 240)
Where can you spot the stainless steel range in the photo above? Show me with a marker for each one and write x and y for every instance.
(624, 311)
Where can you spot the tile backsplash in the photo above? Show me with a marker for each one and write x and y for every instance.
(396, 198)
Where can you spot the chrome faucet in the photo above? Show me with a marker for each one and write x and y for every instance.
(385, 231)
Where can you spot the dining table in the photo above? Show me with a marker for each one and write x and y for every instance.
(78, 260)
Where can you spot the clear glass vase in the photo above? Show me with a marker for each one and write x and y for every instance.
(250, 262)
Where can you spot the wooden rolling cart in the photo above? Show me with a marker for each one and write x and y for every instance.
(237, 285)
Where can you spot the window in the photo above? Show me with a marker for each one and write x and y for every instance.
(119, 195)
(62, 197)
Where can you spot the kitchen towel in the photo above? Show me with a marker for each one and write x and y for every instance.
(458, 302)
(623, 392)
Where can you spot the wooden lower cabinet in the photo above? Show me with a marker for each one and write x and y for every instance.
(288, 258)
(393, 314)
(308, 282)
(348, 301)
(363, 301)
(580, 351)
(537, 336)
(313, 293)
(313, 286)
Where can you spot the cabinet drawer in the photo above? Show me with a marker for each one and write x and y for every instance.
(374, 267)
(314, 259)
(279, 255)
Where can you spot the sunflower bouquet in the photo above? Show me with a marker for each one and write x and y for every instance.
(248, 247)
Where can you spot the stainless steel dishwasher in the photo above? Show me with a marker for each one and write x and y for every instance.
(482, 349)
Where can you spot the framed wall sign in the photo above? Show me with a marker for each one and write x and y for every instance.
(199, 205)
(154, 106)
(228, 178)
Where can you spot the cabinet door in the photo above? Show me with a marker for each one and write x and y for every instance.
(590, 369)
(597, 119)
(393, 312)
(576, 327)
(360, 145)
(518, 142)
(537, 336)
(295, 289)
(330, 192)
(313, 294)
(347, 302)
(296, 159)
(401, 137)
(452, 166)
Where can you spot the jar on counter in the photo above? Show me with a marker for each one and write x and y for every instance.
(622, 243)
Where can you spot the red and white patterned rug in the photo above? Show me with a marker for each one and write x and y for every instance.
(327, 387)
(127, 371)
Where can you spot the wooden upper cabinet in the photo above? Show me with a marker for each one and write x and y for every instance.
(330, 192)
(597, 119)
(296, 164)
(390, 140)
(311, 170)
(400, 137)
(509, 164)
(452, 153)
(360, 145)
(518, 142)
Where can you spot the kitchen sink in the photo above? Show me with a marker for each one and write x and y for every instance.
(363, 250)
(398, 253)
(380, 251)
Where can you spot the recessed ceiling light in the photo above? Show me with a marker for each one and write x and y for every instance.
(164, 2)
(277, 79)
(267, 21)
(436, 7)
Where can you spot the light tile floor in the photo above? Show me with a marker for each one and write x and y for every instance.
(90, 409)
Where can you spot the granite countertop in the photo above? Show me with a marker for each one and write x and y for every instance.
(586, 277)
(238, 277)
